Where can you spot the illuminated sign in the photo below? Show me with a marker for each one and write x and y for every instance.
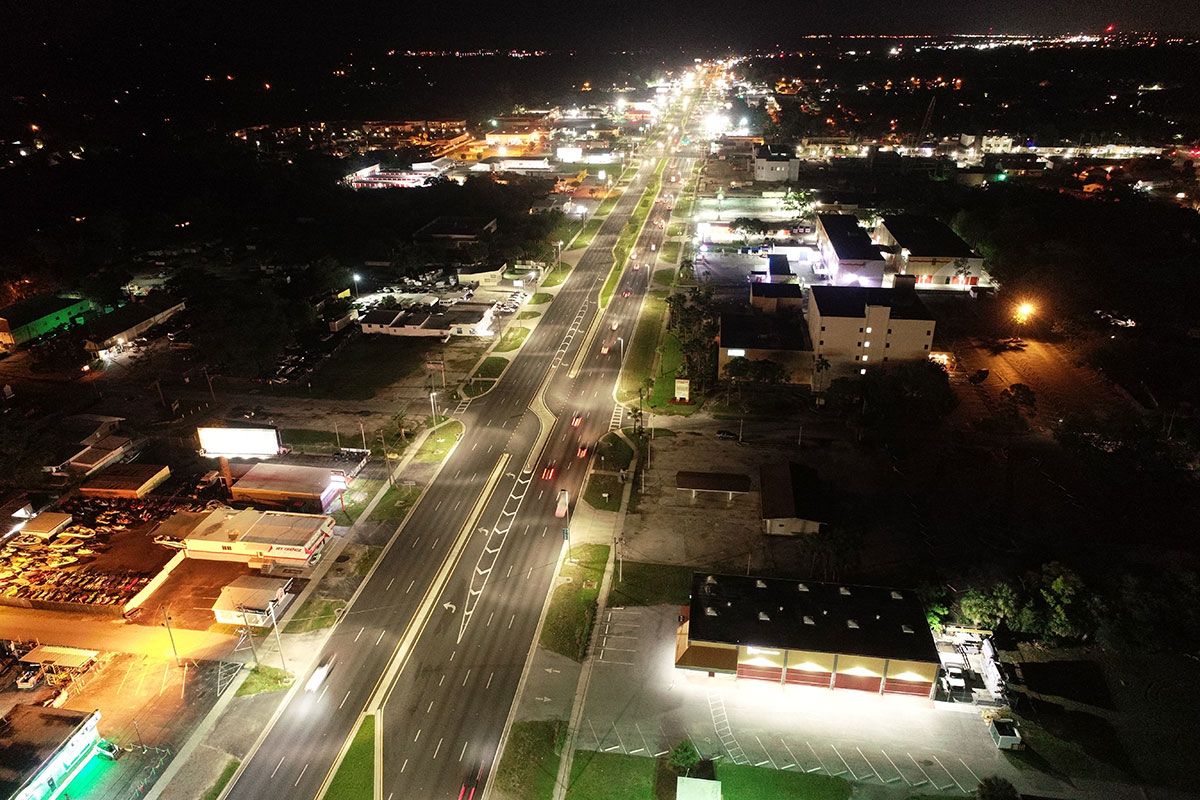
(251, 442)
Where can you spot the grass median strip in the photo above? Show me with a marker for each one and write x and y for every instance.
(529, 767)
(316, 613)
(556, 276)
(527, 315)
(585, 237)
(492, 367)
(513, 338)
(669, 252)
(477, 387)
(355, 776)
(572, 611)
(639, 361)
(438, 443)
(628, 236)
(540, 298)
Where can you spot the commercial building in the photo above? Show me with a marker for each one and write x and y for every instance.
(762, 337)
(930, 251)
(36, 316)
(854, 328)
(46, 525)
(455, 232)
(851, 259)
(461, 319)
(805, 633)
(288, 486)
(792, 500)
(256, 538)
(127, 323)
(252, 600)
(89, 443)
(42, 748)
(128, 481)
(774, 163)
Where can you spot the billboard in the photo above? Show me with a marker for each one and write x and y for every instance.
(233, 442)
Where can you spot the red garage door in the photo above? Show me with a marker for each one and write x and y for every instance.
(914, 688)
(760, 673)
(804, 678)
(862, 683)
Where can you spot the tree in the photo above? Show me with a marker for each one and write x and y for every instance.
(962, 268)
(820, 367)
(994, 787)
(684, 758)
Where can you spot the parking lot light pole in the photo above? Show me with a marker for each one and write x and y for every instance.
(433, 406)
(170, 636)
(357, 278)
(621, 339)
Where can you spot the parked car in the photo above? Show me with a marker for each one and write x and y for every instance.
(726, 435)
(30, 678)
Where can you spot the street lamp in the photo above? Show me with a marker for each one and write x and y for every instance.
(433, 405)
(357, 278)
(621, 339)
(1021, 316)
(558, 254)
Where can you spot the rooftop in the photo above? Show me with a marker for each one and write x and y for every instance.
(852, 301)
(285, 478)
(31, 309)
(870, 621)
(713, 481)
(849, 239)
(922, 235)
(793, 491)
(777, 264)
(769, 332)
(31, 737)
(759, 289)
(774, 152)
(117, 322)
(126, 476)
(456, 227)
(252, 592)
(262, 527)
(379, 316)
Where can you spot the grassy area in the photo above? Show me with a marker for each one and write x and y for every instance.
(677, 229)
(491, 367)
(643, 348)
(557, 276)
(615, 453)
(531, 755)
(572, 609)
(664, 277)
(438, 443)
(364, 366)
(476, 388)
(303, 440)
(355, 776)
(367, 560)
(608, 205)
(513, 338)
(652, 585)
(355, 500)
(316, 613)
(613, 776)
(395, 503)
(585, 237)
(598, 485)
(218, 786)
(753, 783)
(670, 359)
(628, 236)
(669, 252)
(264, 679)
(527, 315)
(540, 298)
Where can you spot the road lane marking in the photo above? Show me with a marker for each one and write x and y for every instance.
(545, 529)
(324, 689)
(414, 543)
(435, 543)
(509, 573)
(468, 675)
(475, 447)
(453, 653)
(510, 621)
(389, 586)
(344, 699)
(438, 749)
(442, 679)
(418, 736)
(380, 639)
(439, 505)
(464, 751)
(527, 574)
(410, 585)
(297, 783)
(430, 707)
(489, 683)
(360, 632)
(277, 766)
(403, 767)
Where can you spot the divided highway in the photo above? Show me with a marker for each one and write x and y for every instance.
(445, 695)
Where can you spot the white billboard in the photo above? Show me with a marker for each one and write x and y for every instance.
(234, 442)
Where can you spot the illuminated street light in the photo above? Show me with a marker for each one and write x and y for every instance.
(1022, 314)
(357, 278)
(433, 405)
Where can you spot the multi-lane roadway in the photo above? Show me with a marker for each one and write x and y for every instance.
(438, 636)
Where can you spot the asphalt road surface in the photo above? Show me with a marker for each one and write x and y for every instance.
(450, 690)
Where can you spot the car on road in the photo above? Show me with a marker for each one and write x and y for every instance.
(626, 293)
(319, 675)
(576, 420)
(472, 785)
(726, 435)
(582, 452)
(604, 349)
(548, 472)
(980, 376)
(615, 325)
(560, 510)
(636, 266)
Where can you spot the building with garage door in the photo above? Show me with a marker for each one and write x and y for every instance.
(829, 635)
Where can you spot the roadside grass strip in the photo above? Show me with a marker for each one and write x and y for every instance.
(355, 776)
(585, 237)
(264, 679)
(639, 361)
(218, 786)
(492, 367)
(529, 766)
(513, 338)
(395, 503)
(568, 623)
(652, 585)
(438, 443)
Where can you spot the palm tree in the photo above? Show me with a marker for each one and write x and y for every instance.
(994, 787)
(821, 365)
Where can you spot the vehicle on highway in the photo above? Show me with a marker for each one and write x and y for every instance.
(560, 510)
(636, 267)
(582, 452)
(604, 349)
(548, 472)
(626, 293)
(319, 674)
(615, 325)
(576, 420)
(726, 435)
(471, 785)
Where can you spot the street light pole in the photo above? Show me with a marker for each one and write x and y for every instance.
(433, 406)
(171, 636)
(357, 278)
(621, 339)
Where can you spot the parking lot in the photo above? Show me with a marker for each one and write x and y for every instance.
(639, 704)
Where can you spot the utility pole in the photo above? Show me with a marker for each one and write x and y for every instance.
(800, 436)
(278, 639)
(209, 379)
(171, 636)
(364, 435)
(337, 436)
(250, 633)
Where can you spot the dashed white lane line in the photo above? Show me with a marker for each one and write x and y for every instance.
(277, 766)
(418, 736)
(464, 751)
(410, 585)
(527, 574)
(389, 586)
(489, 683)
(360, 632)
(297, 783)
(510, 621)
(414, 543)
(430, 707)
(344, 699)
(439, 505)
(380, 639)
(321, 696)
(403, 767)
(465, 677)
(489, 622)
(438, 749)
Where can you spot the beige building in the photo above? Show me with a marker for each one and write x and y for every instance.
(927, 249)
(805, 633)
(856, 328)
(256, 538)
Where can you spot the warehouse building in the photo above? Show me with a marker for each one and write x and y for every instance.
(291, 487)
(129, 322)
(804, 633)
(36, 316)
(41, 749)
(256, 538)
(128, 481)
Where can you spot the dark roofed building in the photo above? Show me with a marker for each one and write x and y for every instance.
(926, 248)
(852, 301)
(455, 231)
(36, 316)
(128, 322)
(850, 256)
(839, 636)
(764, 337)
(793, 500)
(773, 297)
(40, 747)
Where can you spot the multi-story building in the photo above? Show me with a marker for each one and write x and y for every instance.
(855, 328)
(851, 259)
(775, 164)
